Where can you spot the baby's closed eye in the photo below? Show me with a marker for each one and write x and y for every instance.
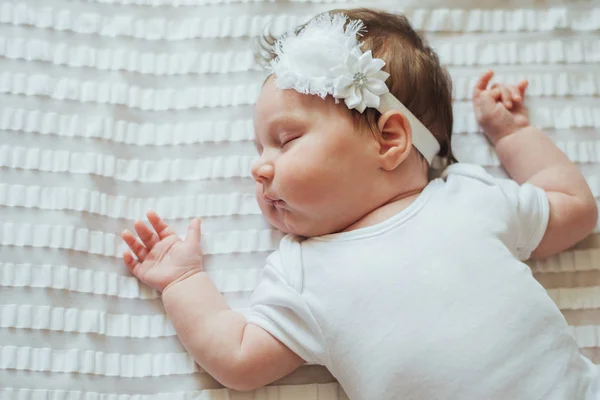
(288, 139)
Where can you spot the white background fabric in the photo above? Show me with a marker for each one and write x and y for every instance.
(111, 107)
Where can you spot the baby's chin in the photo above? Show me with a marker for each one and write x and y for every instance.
(286, 225)
(277, 220)
(274, 217)
(289, 222)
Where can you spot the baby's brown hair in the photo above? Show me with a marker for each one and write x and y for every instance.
(416, 77)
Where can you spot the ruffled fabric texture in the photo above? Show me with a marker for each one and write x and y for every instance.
(581, 152)
(96, 362)
(106, 92)
(569, 261)
(95, 202)
(127, 170)
(104, 103)
(111, 244)
(323, 391)
(82, 280)
(525, 52)
(429, 20)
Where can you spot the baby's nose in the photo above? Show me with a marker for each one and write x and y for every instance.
(262, 172)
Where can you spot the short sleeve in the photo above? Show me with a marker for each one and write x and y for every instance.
(277, 305)
(532, 211)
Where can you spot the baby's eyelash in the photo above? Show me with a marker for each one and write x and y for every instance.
(288, 140)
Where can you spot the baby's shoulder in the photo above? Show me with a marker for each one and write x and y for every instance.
(473, 182)
(468, 172)
(470, 191)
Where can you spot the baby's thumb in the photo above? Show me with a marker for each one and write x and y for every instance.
(193, 234)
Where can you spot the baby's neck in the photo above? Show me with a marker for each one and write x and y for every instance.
(393, 192)
(386, 210)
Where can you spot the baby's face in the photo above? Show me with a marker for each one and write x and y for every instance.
(315, 164)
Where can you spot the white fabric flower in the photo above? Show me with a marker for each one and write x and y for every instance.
(360, 80)
(324, 58)
(307, 60)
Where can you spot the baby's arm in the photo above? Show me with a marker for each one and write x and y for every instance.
(239, 355)
(529, 156)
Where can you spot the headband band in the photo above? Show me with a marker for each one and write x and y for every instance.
(324, 58)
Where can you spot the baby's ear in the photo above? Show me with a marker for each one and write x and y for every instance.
(395, 139)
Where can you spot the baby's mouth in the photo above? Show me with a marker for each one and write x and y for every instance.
(278, 204)
(274, 202)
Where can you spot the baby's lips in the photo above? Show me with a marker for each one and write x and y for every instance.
(270, 198)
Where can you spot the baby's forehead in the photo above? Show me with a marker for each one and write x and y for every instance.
(273, 101)
(272, 98)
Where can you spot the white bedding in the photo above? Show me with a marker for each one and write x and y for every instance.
(111, 107)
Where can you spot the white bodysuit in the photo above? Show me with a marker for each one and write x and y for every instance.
(433, 303)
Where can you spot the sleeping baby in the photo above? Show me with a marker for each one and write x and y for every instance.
(403, 286)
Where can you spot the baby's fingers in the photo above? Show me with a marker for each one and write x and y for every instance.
(138, 249)
(149, 238)
(522, 87)
(496, 93)
(482, 83)
(130, 261)
(516, 94)
(161, 228)
(505, 94)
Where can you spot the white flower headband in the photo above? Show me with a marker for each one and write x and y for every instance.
(324, 58)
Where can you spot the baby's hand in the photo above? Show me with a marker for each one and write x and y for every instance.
(162, 257)
(499, 110)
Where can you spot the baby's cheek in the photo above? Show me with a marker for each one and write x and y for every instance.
(304, 183)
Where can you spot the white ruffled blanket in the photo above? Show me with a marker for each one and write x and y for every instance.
(111, 107)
